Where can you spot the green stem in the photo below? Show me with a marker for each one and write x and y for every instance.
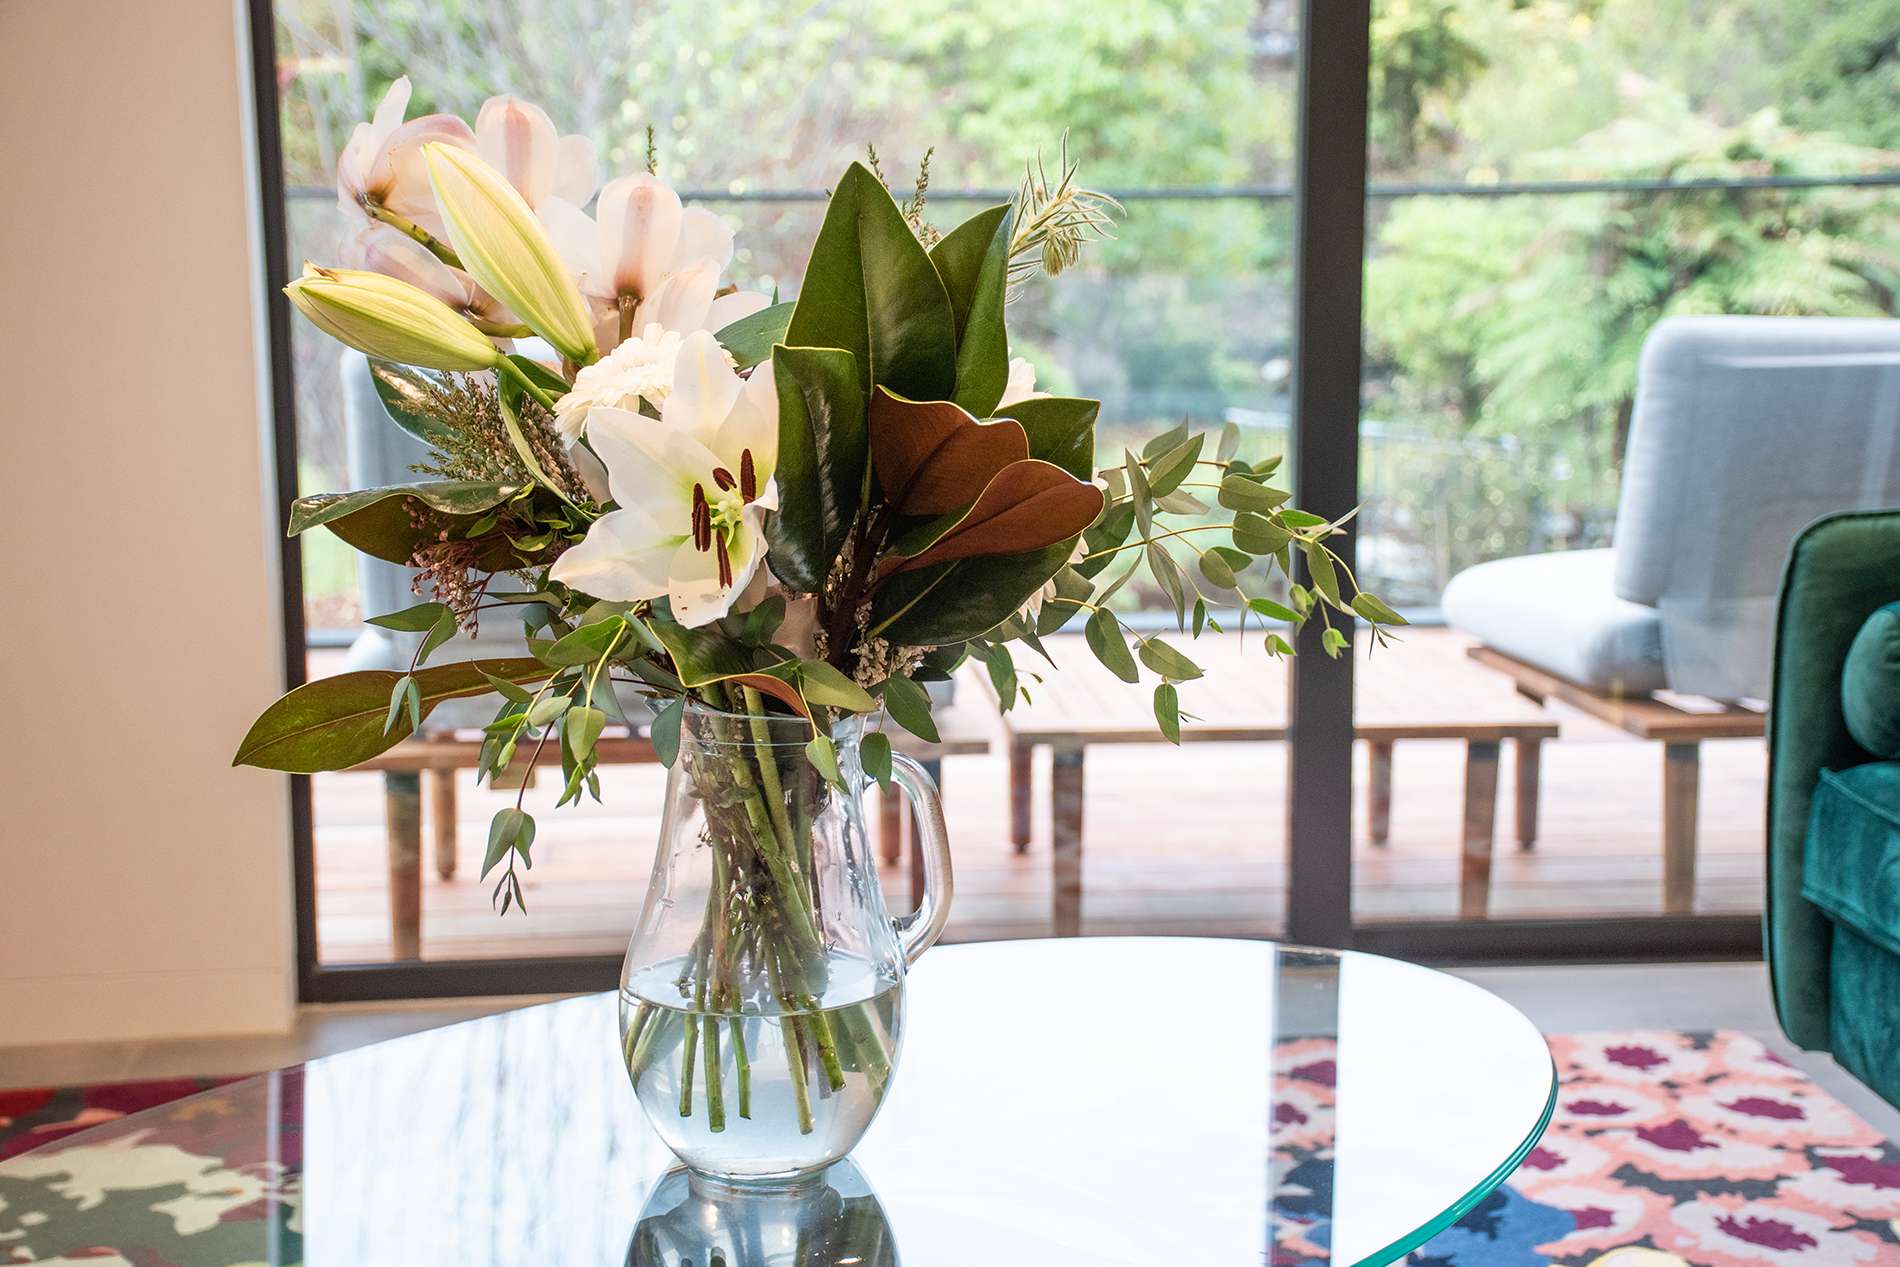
(409, 228)
(528, 384)
(768, 762)
(715, 1093)
(795, 1062)
(743, 1062)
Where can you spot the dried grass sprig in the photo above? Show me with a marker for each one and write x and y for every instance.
(1055, 220)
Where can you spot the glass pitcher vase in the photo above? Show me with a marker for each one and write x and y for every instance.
(762, 1000)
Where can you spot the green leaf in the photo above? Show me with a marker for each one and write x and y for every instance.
(973, 261)
(1301, 519)
(411, 619)
(822, 684)
(1167, 574)
(1166, 440)
(1072, 590)
(871, 289)
(404, 392)
(1174, 466)
(750, 339)
(543, 377)
(1258, 535)
(1002, 675)
(665, 731)
(511, 828)
(1200, 616)
(547, 708)
(508, 690)
(909, 706)
(446, 626)
(403, 692)
(1375, 611)
(1216, 568)
(703, 656)
(335, 722)
(1278, 646)
(955, 602)
(1104, 535)
(874, 752)
(1320, 565)
(1138, 494)
(759, 624)
(1273, 611)
(587, 644)
(1237, 492)
(1168, 662)
(1332, 642)
(824, 759)
(1168, 712)
(581, 727)
(508, 399)
(1104, 636)
(1061, 430)
(391, 523)
(1229, 442)
(822, 451)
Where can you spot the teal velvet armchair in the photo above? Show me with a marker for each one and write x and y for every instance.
(1833, 910)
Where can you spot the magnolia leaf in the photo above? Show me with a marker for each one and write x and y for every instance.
(871, 289)
(821, 458)
(391, 523)
(335, 722)
(1028, 505)
(874, 753)
(704, 656)
(751, 339)
(404, 392)
(909, 706)
(973, 261)
(1105, 639)
(933, 456)
(1061, 430)
(1168, 662)
(955, 602)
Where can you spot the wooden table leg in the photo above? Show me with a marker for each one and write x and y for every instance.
(1530, 753)
(1022, 793)
(402, 803)
(442, 820)
(1481, 815)
(1065, 835)
(1379, 751)
(890, 825)
(1682, 776)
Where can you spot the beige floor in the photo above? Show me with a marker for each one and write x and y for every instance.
(1558, 999)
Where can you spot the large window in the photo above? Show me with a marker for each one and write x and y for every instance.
(1545, 181)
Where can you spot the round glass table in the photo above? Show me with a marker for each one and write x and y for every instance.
(1081, 1102)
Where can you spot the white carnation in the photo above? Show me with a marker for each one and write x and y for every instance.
(641, 368)
(1021, 385)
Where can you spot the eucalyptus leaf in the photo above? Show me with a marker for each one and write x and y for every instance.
(1375, 611)
(824, 759)
(1168, 712)
(1161, 442)
(1173, 466)
(1237, 492)
(822, 684)
(1273, 611)
(1168, 662)
(874, 752)
(665, 731)
(1229, 442)
(587, 644)
(1167, 574)
(909, 706)
(412, 619)
(1104, 636)
(581, 727)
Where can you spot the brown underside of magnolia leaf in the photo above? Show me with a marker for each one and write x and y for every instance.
(1028, 505)
(932, 456)
(778, 688)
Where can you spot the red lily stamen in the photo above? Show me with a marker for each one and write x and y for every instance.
(702, 519)
(723, 478)
(748, 478)
(725, 564)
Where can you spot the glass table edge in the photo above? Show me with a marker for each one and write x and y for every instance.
(1484, 1188)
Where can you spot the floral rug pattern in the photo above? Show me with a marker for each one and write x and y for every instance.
(1667, 1149)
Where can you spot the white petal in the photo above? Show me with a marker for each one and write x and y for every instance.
(704, 388)
(381, 249)
(639, 231)
(645, 466)
(752, 425)
(394, 105)
(574, 236)
(518, 140)
(703, 233)
(400, 179)
(698, 597)
(352, 166)
(576, 169)
(682, 299)
(739, 304)
(592, 471)
(624, 558)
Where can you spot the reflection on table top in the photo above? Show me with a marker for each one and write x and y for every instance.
(1089, 1102)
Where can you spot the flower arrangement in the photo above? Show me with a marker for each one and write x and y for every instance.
(784, 511)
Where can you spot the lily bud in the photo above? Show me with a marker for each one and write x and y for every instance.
(390, 319)
(503, 246)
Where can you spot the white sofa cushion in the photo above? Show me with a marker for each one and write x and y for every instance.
(1560, 612)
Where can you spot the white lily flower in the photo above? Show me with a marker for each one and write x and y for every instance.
(647, 260)
(381, 165)
(519, 140)
(1021, 384)
(691, 490)
(378, 248)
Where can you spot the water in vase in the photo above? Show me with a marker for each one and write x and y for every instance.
(765, 1092)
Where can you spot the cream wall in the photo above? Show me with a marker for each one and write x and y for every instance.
(144, 884)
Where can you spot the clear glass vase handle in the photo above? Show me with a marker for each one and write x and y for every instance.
(918, 930)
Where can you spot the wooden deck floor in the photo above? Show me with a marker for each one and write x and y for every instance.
(1171, 845)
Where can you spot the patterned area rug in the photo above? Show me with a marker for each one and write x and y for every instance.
(1667, 1149)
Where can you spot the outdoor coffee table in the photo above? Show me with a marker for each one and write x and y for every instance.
(1079, 1103)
